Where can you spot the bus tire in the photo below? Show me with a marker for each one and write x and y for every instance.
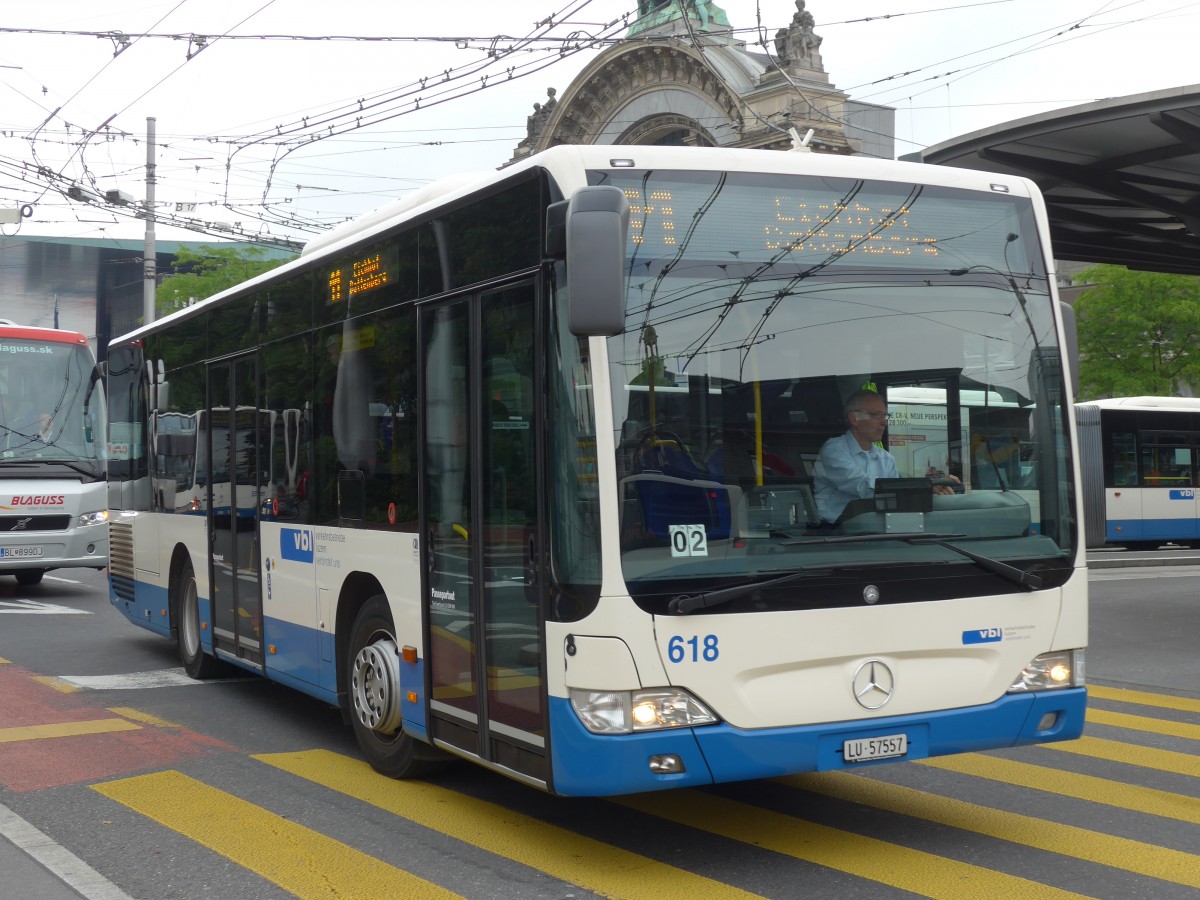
(195, 661)
(373, 682)
(29, 577)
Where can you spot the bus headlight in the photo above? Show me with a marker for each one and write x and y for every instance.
(623, 712)
(1061, 669)
(94, 518)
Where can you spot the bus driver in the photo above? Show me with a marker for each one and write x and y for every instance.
(849, 464)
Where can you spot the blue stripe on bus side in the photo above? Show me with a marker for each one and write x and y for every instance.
(296, 661)
(586, 764)
(296, 652)
(145, 608)
(1118, 530)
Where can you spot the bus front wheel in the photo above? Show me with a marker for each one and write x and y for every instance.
(195, 662)
(373, 678)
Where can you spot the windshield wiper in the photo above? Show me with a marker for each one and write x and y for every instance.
(683, 604)
(1027, 580)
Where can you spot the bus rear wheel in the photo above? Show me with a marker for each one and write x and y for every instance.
(29, 577)
(195, 661)
(373, 678)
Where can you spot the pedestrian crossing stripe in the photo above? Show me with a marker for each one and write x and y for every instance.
(1028, 831)
(297, 859)
(1131, 754)
(1142, 723)
(558, 852)
(897, 866)
(1072, 784)
(65, 729)
(301, 860)
(1144, 698)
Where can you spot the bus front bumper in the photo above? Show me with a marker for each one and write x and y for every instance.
(586, 764)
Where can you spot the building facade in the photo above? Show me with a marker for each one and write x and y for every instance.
(682, 76)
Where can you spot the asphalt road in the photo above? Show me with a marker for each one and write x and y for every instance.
(156, 787)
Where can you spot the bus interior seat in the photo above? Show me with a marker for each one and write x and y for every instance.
(659, 501)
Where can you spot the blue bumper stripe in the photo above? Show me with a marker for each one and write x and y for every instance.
(590, 765)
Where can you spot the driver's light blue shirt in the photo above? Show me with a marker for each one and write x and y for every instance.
(845, 472)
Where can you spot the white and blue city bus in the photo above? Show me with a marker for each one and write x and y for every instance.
(1138, 457)
(557, 440)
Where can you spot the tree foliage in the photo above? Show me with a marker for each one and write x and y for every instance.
(1139, 333)
(209, 270)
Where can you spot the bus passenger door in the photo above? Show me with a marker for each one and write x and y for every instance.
(481, 524)
(234, 487)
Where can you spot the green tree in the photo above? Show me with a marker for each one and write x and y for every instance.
(209, 270)
(1138, 333)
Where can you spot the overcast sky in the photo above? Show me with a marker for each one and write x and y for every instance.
(262, 130)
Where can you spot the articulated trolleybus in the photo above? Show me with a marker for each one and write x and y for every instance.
(555, 435)
(53, 501)
(1138, 457)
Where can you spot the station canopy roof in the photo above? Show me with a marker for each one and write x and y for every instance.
(1121, 176)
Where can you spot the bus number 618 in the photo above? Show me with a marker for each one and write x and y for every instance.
(693, 649)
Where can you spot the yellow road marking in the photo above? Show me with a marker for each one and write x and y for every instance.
(138, 716)
(1144, 698)
(65, 729)
(866, 857)
(53, 681)
(1028, 831)
(1143, 723)
(560, 853)
(297, 859)
(1073, 784)
(1132, 754)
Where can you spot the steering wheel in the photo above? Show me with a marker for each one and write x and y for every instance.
(948, 482)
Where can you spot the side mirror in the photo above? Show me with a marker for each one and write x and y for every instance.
(597, 220)
(1071, 339)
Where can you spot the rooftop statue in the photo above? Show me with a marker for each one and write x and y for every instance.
(656, 13)
(798, 45)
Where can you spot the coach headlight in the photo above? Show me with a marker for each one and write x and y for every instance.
(94, 518)
(1060, 669)
(623, 712)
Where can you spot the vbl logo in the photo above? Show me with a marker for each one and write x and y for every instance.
(981, 636)
(296, 544)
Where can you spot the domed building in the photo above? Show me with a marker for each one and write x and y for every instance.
(682, 76)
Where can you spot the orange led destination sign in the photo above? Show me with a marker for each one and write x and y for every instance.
(359, 276)
(793, 224)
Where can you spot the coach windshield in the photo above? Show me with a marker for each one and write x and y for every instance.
(756, 307)
(52, 413)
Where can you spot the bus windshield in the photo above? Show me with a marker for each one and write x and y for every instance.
(52, 414)
(756, 307)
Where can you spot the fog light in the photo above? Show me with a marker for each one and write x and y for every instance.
(666, 764)
(1049, 720)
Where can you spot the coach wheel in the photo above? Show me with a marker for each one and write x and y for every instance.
(29, 577)
(374, 682)
(195, 662)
